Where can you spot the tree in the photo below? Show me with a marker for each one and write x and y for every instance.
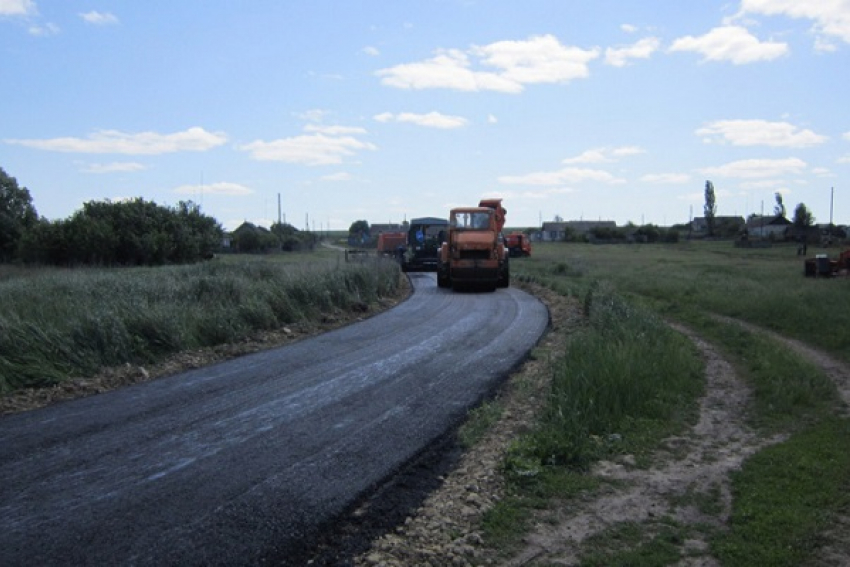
(710, 208)
(779, 209)
(803, 217)
(126, 233)
(358, 232)
(17, 215)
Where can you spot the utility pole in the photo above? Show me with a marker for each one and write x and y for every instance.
(278, 209)
(831, 202)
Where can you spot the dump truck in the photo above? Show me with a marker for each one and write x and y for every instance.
(422, 250)
(390, 243)
(519, 244)
(474, 253)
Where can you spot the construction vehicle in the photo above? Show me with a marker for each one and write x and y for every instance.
(422, 250)
(389, 243)
(519, 244)
(474, 253)
(822, 266)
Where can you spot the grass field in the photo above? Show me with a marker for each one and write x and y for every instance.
(57, 324)
(626, 380)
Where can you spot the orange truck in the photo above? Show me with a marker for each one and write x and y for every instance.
(389, 243)
(474, 253)
(518, 244)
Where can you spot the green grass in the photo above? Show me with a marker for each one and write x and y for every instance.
(56, 324)
(786, 497)
(762, 286)
(603, 401)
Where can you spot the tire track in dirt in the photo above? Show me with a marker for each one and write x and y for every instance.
(837, 551)
(837, 371)
(672, 487)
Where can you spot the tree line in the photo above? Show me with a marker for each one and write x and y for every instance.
(125, 233)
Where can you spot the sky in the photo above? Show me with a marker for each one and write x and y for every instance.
(387, 110)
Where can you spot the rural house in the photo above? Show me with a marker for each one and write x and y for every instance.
(764, 226)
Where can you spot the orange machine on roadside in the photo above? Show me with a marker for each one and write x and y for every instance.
(474, 253)
(518, 244)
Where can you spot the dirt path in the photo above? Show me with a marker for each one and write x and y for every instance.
(689, 482)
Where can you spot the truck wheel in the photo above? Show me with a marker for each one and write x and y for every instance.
(504, 277)
(443, 279)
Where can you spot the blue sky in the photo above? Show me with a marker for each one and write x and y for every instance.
(389, 110)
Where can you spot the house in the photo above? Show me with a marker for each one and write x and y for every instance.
(764, 226)
(722, 225)
(556, 231)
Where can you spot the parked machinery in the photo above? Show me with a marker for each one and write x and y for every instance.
(519, 244)
(823, 266)
(474, 252)
(424, 237)
(390, 242)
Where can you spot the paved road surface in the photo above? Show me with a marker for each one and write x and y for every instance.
(240, 462)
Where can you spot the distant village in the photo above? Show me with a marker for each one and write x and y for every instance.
(769, 228)
(756, 230)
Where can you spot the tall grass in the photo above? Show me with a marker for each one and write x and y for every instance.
(56, 324)
(624, 379)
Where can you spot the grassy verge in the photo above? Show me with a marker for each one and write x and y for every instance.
(785, 497)
(624, 382)
(57, 324)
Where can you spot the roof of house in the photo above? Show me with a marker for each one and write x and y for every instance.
(756, 221)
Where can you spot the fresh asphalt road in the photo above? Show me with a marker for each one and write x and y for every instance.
(239, 462)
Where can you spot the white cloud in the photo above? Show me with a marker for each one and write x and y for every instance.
(846, 136)
(314, 115)
(17, 8)
(334, 130)
(731, 43)
(666, 178)
(643, 49)
(45, 30)
(831, 17)
(112, 167)
(221, 188)
(628, 28)
(325, 146)
(430, 120)
(604, 155)
(518, 196)
(491, 119)
(561, 177)
(510, 65)
(758, 168)
(759, 133)
(372, 51)
(844, 159)
(144, 143)
(99, 18)
(341, 176)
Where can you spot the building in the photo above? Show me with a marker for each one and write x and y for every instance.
(557, 231)
(763, 226)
